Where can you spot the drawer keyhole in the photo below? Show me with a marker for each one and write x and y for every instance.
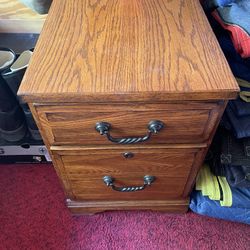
(128, 155)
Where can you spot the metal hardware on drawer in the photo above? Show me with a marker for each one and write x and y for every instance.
(153, 128)
(128, 155)
(148, 179)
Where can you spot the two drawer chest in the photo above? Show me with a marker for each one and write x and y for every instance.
(127, 96)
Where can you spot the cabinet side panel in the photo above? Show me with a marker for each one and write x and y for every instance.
(202, 154)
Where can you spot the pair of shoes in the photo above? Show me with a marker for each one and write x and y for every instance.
(14, 118)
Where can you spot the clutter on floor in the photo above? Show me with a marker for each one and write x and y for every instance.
(20, 140)
(34, 216)
(229, 155)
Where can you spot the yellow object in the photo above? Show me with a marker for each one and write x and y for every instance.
(207, 183)
(244, 95)
(216, 188)
(227, 200)
(243, 83)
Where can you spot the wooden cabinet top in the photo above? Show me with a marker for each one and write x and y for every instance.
(127, 50)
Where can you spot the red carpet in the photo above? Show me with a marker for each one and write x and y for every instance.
(33, 216)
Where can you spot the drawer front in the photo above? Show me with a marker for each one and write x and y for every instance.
(83, 171)
(75, 124)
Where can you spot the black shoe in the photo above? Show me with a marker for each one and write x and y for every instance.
(12, 123)
(32, 127)
(12, 126)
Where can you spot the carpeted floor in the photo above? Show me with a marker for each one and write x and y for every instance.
(33, 216)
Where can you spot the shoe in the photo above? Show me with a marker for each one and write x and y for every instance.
(12, 125)
(7, 58)
(14, 74)
(32, 127)
(12, 122)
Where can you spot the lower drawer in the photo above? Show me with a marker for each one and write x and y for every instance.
(82, 171)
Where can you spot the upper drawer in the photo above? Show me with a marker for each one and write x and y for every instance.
(190, 122)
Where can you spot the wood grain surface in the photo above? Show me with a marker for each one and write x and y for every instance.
(15, 17)
(91, 207)
(127, 50)
(84, 170)
(155, 59)
(75, 124)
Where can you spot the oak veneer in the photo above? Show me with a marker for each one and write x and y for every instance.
(74, 124)
(170, 206)
(126, 63)
(85, 168)
(127, 51)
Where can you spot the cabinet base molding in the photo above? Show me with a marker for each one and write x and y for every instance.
(92, 207)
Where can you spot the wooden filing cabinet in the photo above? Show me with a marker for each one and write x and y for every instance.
(127, 96)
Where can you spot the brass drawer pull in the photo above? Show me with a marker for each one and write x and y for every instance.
(148, 179)
(153, 128)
